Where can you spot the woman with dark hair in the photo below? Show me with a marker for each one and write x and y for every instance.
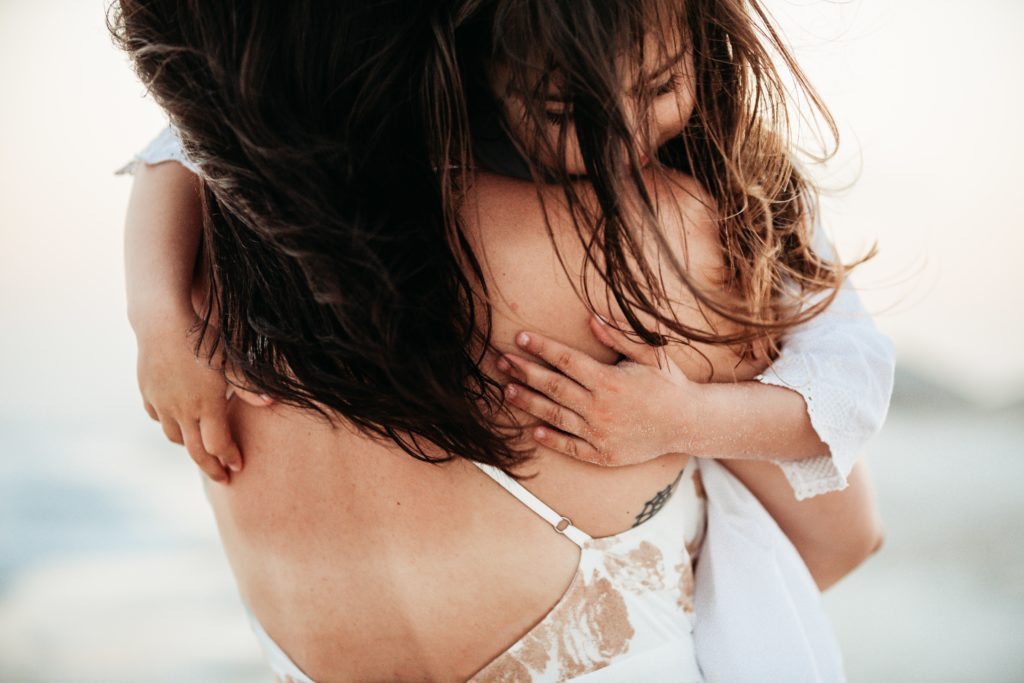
(390, 195)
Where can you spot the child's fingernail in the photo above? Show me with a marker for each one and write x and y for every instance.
(600, 319)
(264, 397)
(235, 466)
(503, 365)
(523, 339)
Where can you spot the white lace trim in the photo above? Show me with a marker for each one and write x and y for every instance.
(844, 373)
(164, 147)
(817, 474)
(843, 368)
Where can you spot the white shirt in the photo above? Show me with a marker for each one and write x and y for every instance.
(843, 367)
(759, 611)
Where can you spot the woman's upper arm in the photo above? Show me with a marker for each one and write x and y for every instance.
(834, 532)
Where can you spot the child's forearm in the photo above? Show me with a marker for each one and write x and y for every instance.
(752, 421)
(162, 234)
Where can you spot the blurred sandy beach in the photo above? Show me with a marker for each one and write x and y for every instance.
(110, 569)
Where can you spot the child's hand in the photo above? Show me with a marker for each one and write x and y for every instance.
(620, 414)
(188, 397)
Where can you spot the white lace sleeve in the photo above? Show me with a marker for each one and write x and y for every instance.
(164, 147)
(843, 367)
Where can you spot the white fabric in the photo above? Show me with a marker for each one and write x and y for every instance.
(843, 367)
(166, 146)
(645, 575)
(759, 612)
(649, 667)
(285, 670)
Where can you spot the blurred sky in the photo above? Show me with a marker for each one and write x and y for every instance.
(928, 99)
(106, 540)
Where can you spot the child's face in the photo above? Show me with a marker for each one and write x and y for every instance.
(670, 87)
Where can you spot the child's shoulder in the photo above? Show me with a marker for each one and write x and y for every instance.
(689, 219)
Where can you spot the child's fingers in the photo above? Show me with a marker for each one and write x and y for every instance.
(540, 406)
(554, 385)
(580, 449)
(640, 352)
(194, 444)
(217, 440)
(150, 410)
(571, 362)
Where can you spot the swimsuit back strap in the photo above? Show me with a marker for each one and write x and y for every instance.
(560, 523)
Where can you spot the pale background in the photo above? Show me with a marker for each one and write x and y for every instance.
(110, 568)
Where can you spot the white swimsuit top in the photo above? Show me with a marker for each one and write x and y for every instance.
(627, 614)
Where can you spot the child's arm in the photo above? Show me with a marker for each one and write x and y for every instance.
(810, 412)
(619, 405)
(842, 367)
(162, 234)
(163, 227)
(833, 533)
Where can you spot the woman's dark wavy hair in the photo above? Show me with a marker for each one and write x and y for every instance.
(334, 141)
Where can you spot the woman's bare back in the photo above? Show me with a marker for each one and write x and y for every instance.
(364, 563)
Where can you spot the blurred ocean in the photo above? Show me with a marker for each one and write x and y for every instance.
(943, 600)
(110, 569)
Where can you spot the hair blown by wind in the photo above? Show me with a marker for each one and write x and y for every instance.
(307, 119)
(737, 144)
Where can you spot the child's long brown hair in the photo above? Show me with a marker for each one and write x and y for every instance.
(334, 144)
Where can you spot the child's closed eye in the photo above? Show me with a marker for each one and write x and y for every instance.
(671, 85)
(557, 118)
